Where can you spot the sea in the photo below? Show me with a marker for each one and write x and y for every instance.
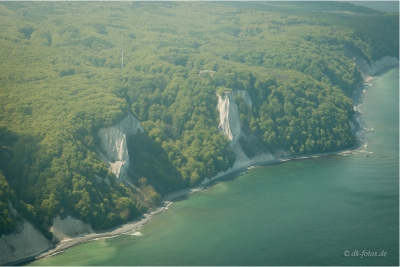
(340, 210)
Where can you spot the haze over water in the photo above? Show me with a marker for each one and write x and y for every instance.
(302, 212)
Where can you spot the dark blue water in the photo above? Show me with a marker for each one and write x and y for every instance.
(335, 210)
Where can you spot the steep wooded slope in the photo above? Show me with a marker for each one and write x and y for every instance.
(62, 81)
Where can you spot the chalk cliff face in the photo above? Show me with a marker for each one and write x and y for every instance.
(375, 66)
(114, 151)
(26, 241)
(232, 129)
(68, 228)
(229, 117)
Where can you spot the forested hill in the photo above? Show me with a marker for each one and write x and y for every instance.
(61, 80)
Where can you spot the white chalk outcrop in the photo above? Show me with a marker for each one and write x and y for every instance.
(375, 66)
(114, 151)
(229, 117)
(25, 242)
(230, 125)
(68, 228)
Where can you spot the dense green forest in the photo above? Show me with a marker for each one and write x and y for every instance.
(61, 80)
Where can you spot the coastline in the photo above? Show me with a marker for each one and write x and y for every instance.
(135, 225)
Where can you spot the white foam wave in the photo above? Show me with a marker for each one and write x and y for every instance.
(104, 237)
(303, 157)
(137, 234)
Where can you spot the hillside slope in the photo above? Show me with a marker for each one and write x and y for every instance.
(83, 136)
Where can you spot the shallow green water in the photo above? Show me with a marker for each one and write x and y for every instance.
(302, 212)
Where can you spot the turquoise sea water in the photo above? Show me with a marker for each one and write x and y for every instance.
(301, 212)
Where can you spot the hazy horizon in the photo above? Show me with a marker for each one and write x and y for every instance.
(384, 6)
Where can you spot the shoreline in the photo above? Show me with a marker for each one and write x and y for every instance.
(134, 226)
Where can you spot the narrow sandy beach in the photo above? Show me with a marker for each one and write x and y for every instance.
(121, 229)
(133, 226)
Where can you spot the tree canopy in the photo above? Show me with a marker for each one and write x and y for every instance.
(62, 80)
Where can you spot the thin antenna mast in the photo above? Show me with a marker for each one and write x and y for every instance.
(122, 51)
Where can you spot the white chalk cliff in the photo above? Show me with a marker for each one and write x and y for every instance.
(114, 151)
(232, 129)
(26, 241)
(375, 66)
(229, 117)
(68, 228)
